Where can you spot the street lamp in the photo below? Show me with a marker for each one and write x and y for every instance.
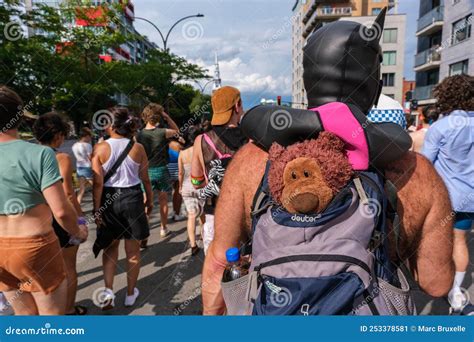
(163, 38)
(203, 88)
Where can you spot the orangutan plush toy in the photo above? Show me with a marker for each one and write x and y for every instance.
(305, 177)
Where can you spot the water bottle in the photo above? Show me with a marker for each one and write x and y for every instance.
(235, 268)
(74, 241)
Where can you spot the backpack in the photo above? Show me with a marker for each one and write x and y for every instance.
(216, 171)
(332, 263)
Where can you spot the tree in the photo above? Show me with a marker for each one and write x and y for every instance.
(59, 68)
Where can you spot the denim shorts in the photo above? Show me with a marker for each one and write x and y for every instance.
(84, 172)
(463, 221)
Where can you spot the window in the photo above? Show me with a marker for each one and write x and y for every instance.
(462, 29)
(389, 58)
(459, 68)
(390, 35)
(390, 95)
(456, 2)
(376, 10)
(388, 79)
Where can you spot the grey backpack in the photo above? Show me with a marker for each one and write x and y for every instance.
(333, 263)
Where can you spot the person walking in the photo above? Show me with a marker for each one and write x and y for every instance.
(32, 272)
(430, 115)
(191, 200)
(219, 144)
(155, 141)
(120, 166)
(82, 152)
(50, 130)
(174, 149)
(449, 145)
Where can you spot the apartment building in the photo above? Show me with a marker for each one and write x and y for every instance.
(307, 14)
(445, 46)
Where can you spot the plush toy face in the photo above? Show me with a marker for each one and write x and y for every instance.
(306, 176)
(305, 190)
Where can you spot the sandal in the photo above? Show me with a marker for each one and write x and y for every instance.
(79, 310)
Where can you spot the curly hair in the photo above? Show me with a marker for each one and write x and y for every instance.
(124, 123)
(455, 93)
(152, 113)
(328, 150)
(48, 126)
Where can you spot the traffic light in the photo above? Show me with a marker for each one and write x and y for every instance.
(408, 96)
(279, 100)
(414, 104)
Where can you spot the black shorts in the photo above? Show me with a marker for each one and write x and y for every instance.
(62, 235)
(123, 212)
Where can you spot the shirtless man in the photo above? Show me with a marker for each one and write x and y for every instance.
(423, 202)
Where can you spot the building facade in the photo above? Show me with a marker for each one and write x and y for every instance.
(445, 46)
(307, 14)
(132, 51)
(393, 48)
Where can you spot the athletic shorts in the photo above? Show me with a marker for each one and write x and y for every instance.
(123, 212)
(173, 170)
(84, 172)
(160, 178)
(463, 221)
(31, 264)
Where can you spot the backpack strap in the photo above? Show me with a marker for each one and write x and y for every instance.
(119, 161)
(214, 148)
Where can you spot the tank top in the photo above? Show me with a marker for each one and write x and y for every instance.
(128, 173)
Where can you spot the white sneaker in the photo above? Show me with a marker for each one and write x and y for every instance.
(107, 299)
(164, 233)
(457, 299)
(178, 217)
(5, 309)
(130, 300)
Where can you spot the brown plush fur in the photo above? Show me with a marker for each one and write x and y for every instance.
(304, 177)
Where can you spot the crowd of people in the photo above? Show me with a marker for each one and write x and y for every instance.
(42, 223)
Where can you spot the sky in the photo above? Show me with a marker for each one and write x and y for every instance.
(252, 38)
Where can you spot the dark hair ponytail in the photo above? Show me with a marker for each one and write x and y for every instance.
(124, 124)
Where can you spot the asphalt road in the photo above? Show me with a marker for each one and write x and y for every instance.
(170, 277)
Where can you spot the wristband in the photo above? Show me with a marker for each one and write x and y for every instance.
(197, 180)
(81, 221)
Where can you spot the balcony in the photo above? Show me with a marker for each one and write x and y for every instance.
(431, 22)
(428, 59)
(334, 12)
(424, 95)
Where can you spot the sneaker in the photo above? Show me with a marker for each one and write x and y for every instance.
(195, 250)
(164, 233)
(107, 299)
(468, 310)
(457, 300)
(130, 300)
(178, 217)
(5, 309)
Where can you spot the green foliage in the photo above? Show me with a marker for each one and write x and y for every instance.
(59, 68)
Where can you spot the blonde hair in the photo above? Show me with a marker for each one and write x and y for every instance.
(152, 113)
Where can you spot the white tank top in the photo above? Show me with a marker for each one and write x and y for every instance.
(128, 173)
